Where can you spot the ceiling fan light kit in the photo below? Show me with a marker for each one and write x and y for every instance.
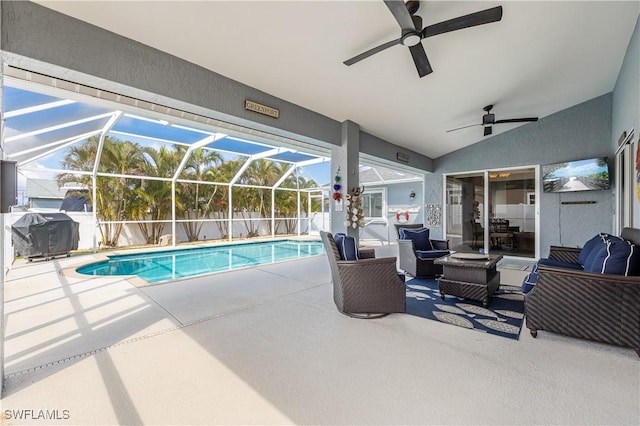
(411, 39)
(412, 32)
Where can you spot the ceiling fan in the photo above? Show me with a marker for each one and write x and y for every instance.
(413, 33)
(488, 120)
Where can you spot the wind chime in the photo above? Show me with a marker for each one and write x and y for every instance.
(355, 213)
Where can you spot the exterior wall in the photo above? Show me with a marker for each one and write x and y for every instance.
(626, 104)
(579, 132)
(397, 198)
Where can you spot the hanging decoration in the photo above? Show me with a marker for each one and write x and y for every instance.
(337, 194)
(355, 213)
(433, 211)
(402, 216)
(434, 215)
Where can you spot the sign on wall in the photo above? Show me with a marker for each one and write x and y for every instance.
(261, 109)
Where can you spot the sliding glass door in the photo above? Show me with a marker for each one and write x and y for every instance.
(465, 211)
(512, 204)
(493, 211)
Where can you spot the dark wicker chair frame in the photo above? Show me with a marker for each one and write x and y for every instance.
(365, 288)
(599, 307)
(410, 263)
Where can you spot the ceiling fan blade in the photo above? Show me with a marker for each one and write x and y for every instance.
(478, 18)
(517, 120)
(370, 52)
(488, 130)
(420, 59)
(463, 127)
(401, 13)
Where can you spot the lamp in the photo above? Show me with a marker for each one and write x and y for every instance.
(412, 196)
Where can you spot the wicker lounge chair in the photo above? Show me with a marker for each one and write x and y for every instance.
(364, 288)
(593, 306)
(411, 263)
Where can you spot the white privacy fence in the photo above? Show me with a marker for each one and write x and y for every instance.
(131, 234)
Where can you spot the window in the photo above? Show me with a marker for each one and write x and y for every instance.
(373, 204)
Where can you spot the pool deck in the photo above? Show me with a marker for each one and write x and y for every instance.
(266, 346)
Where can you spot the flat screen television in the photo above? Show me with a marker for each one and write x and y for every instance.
(582, 175)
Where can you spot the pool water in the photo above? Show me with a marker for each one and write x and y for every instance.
(161, 266)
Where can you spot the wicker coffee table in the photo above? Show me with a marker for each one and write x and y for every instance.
(474, 277)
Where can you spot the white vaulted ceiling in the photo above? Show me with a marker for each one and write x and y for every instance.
(542, 57)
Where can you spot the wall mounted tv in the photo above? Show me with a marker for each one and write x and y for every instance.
(582, 175)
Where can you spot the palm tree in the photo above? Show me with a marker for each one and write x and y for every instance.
(154, 196)
(196, 200)
(261, 172)
(79, 157)
(287, 201)
(114, 195)
(117, 197)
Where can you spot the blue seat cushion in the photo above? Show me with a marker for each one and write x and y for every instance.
(559, 264)
(346, 246)
(431, 254)
(420, 238)
(618, 257)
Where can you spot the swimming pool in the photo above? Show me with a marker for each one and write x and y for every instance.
(158, 266)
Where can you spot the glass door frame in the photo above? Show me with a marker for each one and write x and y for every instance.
(624, 178)
(486, 207)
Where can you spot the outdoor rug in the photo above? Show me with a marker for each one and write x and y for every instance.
(503, 317)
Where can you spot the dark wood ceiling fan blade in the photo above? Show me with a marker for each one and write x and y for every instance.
(463, 127)
(517, 120)
(488, 130)
(399, 11)
(473, 19)
(373, 51)
(420, 59)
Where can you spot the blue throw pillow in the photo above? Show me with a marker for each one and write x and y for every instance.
(420, 238)
(346, 246)
(530, 280)
(596, 253)
(588, 247)
(634, 261)
(349, 249)
(338, 240)
(619, 257)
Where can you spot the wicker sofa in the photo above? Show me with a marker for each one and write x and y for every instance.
(594, 306)
(411, 262)
(365, 288)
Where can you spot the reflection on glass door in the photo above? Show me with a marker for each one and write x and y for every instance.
(505, 225)
(465, 212)
(512, 212)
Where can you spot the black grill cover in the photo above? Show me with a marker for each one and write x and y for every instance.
(44, 234)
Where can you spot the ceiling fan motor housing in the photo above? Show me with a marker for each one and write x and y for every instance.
(488, 119)
(411, 38)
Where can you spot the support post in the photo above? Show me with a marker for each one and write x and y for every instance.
(347, 158)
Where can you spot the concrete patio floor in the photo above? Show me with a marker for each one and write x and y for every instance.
(267, 346)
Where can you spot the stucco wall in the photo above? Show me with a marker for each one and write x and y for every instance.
(580, 132)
